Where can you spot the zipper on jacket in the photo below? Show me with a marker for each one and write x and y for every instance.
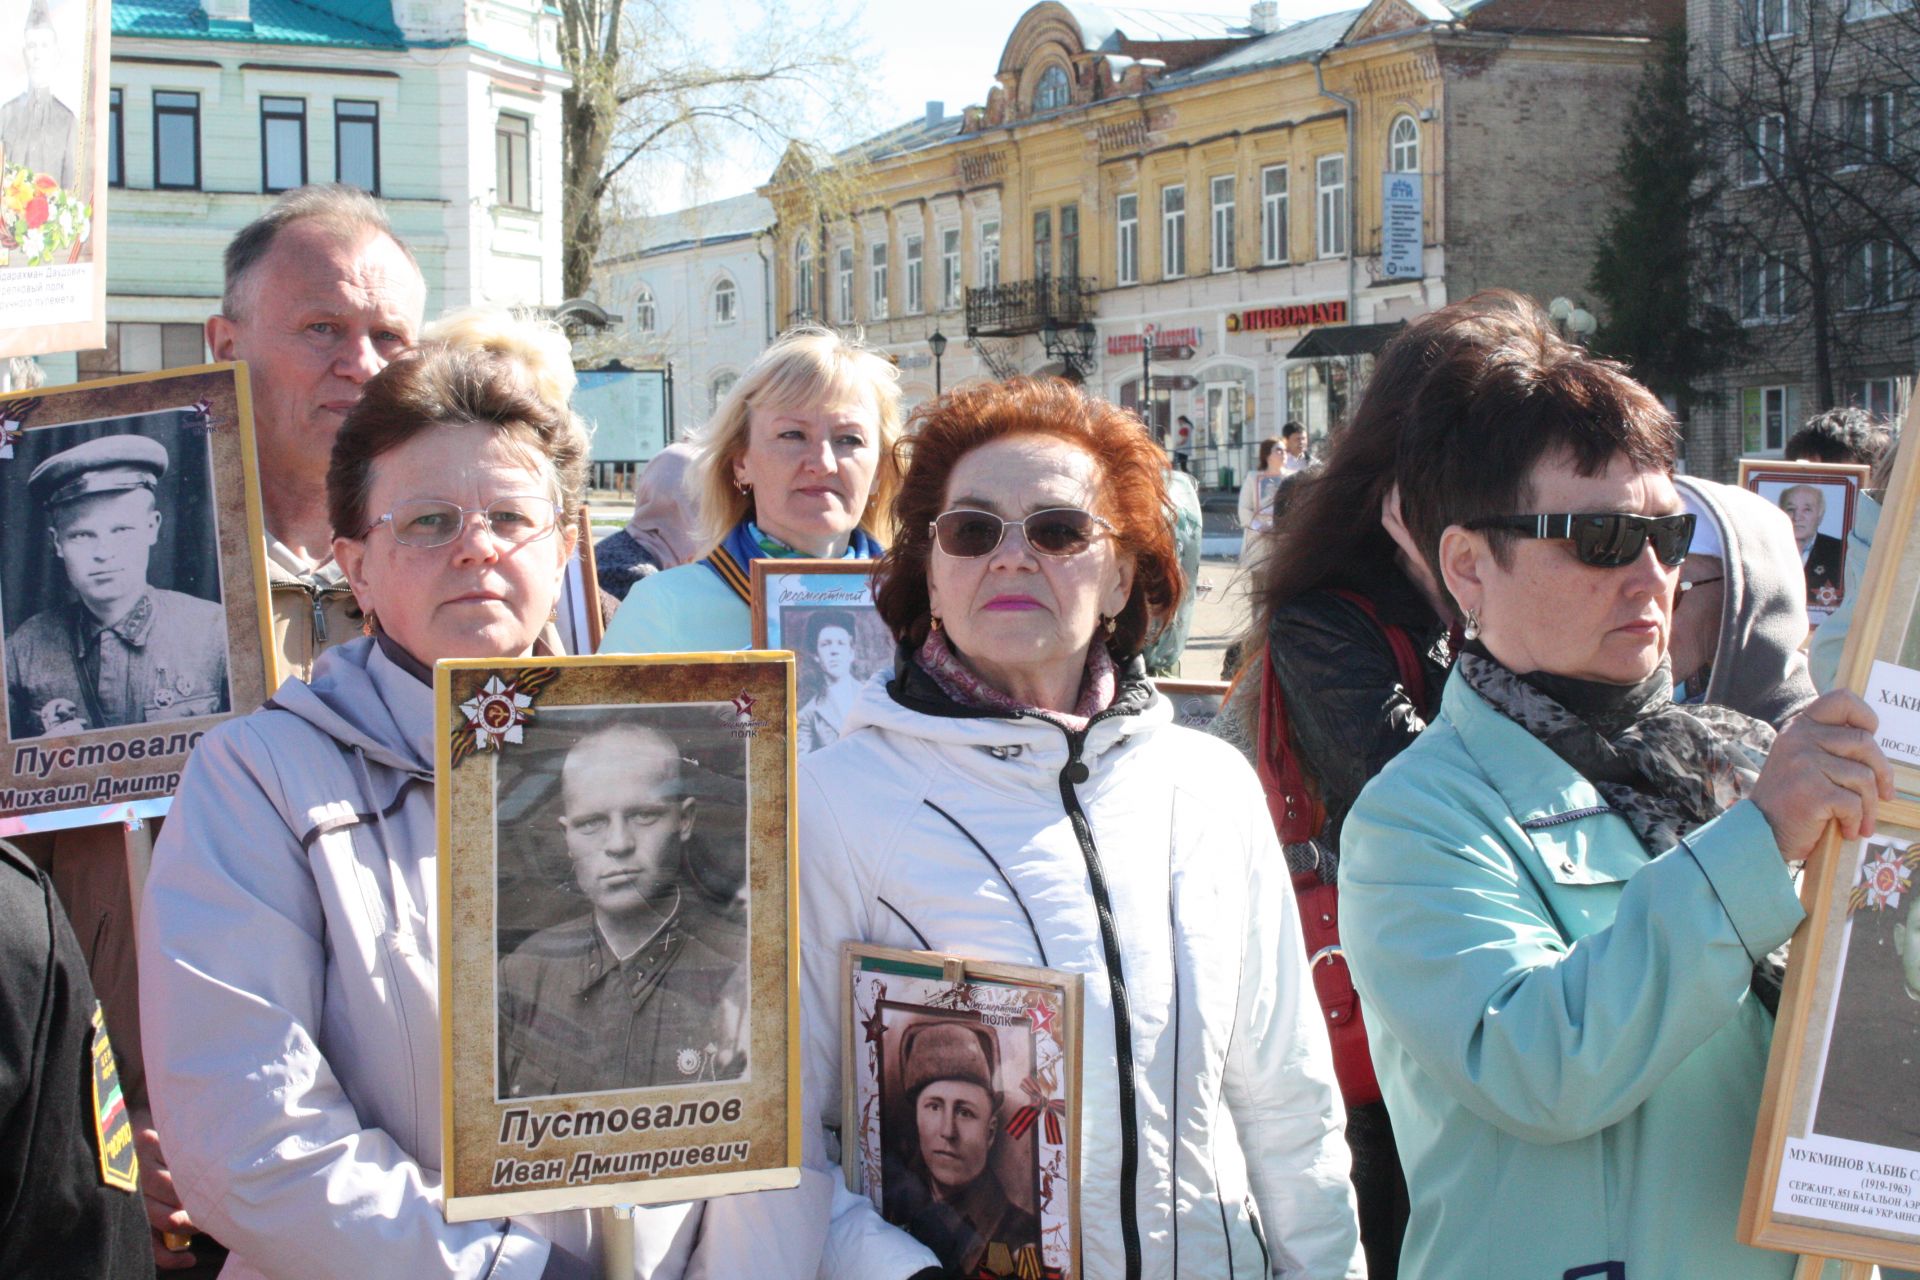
(1074, 773)
(319, 618)
(1561, 819)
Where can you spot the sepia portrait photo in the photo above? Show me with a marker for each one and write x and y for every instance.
(822, 611)
(964, 1086)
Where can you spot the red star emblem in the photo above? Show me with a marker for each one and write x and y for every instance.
(874, 1025)
(1042, 1015)
(743, 704)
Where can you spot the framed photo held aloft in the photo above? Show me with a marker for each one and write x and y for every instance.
(133, 589)
(1820, 499)
(821, 611)
(962, 1093)
(617, 936)
(1195, 702)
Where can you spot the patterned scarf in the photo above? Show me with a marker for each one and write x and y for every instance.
(964, 685)
(1664, 767)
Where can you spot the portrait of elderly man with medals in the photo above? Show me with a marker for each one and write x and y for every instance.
(121, 651)
(649, 987)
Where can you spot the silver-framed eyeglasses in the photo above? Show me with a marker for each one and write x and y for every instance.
(434, 522)
(967, 534)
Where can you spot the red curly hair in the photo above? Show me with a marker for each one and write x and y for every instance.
(1131, 492)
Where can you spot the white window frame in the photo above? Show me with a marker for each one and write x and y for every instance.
(1055, 76)
(1763, 288)
(1873, 120)
(989, 256)
(952, 278)
(803, 277)
(1766, 139)
(646, 313)
(914, 255)
(1221, 196)
(1330, 205)
(1126, 238)
(1878, 396)
(1872, 277)
(1275, 208)
(1403, 145)
(1774, 403)
(1173, 231)
(718, 388)
(1767, 19)
(843, 283)
(726, 301)
(877, 299)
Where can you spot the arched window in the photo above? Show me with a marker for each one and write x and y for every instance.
(803, 277)
(643, 310)
(722, 383)
(1403, 146)
(1053, 90)
(723, 299)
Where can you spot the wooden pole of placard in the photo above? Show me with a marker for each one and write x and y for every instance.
(1813, 1268)
(616, 1235)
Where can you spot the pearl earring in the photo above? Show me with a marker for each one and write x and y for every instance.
(1472, 628)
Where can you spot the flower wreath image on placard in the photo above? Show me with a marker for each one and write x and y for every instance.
(498, 714)
(1886, 875)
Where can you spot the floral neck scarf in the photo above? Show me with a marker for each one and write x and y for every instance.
(958, 681)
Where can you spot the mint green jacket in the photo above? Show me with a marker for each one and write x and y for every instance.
(1561, 1023)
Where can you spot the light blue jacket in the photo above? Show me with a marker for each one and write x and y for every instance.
(683, 610)
(1561, 1024)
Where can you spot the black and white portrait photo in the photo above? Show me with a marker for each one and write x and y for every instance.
(110, 580)
(622, 910)
(1818, 500)
(823, 611)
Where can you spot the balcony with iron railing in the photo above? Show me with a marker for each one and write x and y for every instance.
(1025, 306)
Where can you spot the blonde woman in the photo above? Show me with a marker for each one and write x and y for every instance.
(797, 461)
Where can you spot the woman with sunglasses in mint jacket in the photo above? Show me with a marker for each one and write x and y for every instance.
(1562, 900)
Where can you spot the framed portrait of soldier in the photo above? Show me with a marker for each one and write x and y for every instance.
(56, 164)
(1820, 499)
(962, 1090)
(823, 612)
(133, 596)
(617, 930)
(1195, 702)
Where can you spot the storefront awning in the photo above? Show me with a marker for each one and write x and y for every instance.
(1344, 340)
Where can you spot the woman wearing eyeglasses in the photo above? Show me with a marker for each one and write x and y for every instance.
(288, 941)
(1015, 790)
(1559, 903)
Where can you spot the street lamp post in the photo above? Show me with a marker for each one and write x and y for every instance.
(937, 343)
(1146, 381)
(1575, 321)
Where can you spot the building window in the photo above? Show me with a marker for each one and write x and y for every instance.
(643, 314)
(176, 140)
(149, 348)
(116, 140)
(1878, 396)
(1763, 288)
(1173, 232)
(1765, 19)
(1872, 120)
(877, 281)
(283, 143)
(1331, 229)
(1070, 240)
(725, 296)
(1222, 192)
(843, 284)
(513, 171)
(990, 254)
(1042, 244)
(1861, 10)
(1765, 413)
(356, 144)
(1273, 215)
(950, 268)
(1403, 146)
(1766, 146)
(915, 255)
(1871, 276)
(803, 278)
(1127, 239)
(722, 384)
(1055, 90)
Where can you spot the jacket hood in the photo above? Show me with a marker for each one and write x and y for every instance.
(361, 700)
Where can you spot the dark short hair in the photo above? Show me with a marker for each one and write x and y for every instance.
(1485, 416)
(438, 384)
(1132, 494)
(1292, 429)
(821, 619)
(1839, 435)
(341, 208)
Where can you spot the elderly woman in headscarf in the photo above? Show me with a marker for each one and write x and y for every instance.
(659, 533)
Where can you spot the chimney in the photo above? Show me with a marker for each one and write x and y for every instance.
(228, 12)
(1265, 18)
(936, 112)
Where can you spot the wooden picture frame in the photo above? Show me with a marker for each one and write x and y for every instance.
(1823, 1180)
(143, 539)
(821, 611)
(1195, 702)
(594, 808)
(1826, 560)
(1027, 1024)
(580, 624)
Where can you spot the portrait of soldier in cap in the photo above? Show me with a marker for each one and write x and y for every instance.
(649, 986)
(120, 650)
(939, 1182)
(37, 129)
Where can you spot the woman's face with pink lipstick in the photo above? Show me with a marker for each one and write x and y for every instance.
(1024, 620)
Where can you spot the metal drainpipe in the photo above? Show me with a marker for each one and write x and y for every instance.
(1353, 186)
(766, 280)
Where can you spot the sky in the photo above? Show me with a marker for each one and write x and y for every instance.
(923, 52)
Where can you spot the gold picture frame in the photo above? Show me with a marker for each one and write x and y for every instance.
(639, 1042)
(1825, 561)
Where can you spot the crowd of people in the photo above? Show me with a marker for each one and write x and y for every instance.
(1452, 952)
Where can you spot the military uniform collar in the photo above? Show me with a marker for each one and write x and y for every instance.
(645, 966)
(134, 626)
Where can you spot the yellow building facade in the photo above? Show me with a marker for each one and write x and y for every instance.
(1239, 213)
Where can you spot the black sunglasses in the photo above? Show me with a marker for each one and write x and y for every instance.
(1605, 539)
(1057, 531)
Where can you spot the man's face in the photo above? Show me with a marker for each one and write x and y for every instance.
(319, 315)
(41, 50)
(1295, 444)
(625, 820)
(1805, 507)
(1906, 943)
(103, 543)
(956, 1124)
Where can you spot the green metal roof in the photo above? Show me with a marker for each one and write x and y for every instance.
(360, 24)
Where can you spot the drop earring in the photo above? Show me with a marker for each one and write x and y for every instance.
(1471, 630)
(369, 624)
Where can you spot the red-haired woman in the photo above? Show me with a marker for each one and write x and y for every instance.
(1016, 791)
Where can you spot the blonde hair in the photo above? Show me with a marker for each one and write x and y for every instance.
(534, 342)
(805, 365)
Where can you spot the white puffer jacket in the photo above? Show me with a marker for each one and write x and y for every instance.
(1141, 855)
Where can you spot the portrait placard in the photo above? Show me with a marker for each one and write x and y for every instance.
(1820, 499)
(133, 587)
(821, 611)
(618, 965)
(54, 175)
(1195, 702)
(962, 1094)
